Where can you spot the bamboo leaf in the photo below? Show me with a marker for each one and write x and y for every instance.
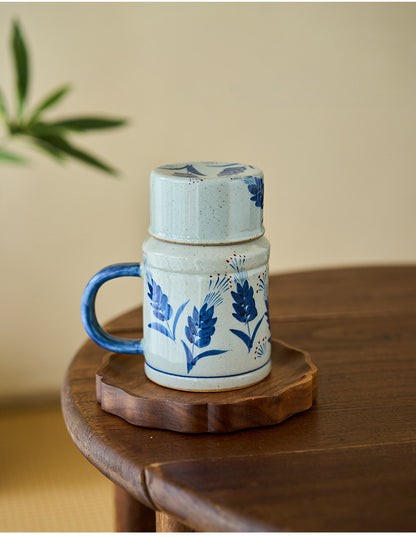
(49, 149)
(9, 156)
(43, 129)
(21, 63)
(82, 124)
(49, 101)
(65, 147)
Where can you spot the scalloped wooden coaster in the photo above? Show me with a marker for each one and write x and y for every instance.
(124, 390)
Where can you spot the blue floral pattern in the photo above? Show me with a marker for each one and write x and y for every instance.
(255, 186)
(244, 305)
(201, 323)
(261, 348)
(263, 286)
(231, 171)
(162, 310)
(200, 327)
(190, 171)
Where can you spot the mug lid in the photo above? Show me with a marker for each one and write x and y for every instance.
(206, 202)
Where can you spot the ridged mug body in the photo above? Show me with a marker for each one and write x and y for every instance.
(205, 314)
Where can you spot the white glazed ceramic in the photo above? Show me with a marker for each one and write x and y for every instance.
(206, 314)
(206, 203)
(205, 309)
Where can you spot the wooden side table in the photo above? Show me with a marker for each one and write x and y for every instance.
(348, 464)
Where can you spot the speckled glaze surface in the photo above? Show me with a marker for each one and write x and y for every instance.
(205, 308)
(205, 314)
(206, 202)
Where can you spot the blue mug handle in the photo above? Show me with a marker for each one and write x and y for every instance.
(89, 317)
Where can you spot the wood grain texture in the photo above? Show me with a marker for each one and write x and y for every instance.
(131, 515)
(170, 524)
(369, 488)
(361, 334)
(124, 390)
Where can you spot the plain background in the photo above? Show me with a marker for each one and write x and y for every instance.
(322, 97)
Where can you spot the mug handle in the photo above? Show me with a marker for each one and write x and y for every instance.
(89, 317)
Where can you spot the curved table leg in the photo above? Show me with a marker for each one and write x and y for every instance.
(132, 515)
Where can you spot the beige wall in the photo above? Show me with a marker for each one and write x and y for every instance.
(321, 96)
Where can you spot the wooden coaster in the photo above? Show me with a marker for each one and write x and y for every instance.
(124, 390)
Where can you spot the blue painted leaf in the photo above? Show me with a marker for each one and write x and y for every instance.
(267, 314)
(203, 342)
(242, 336)
(239, 310)
(255, 331)
(246, 287)
(209, 324)
(232, 171)
(189, 358)
(192, 169)
(212, 165)
(163, 330)
(178, 314)
(207, 331)
(150, 293)
(188, 167)
(244, 304)
(162, 310)
(255, 187)
(235, 295)
(208, 353)
(201, 326)
(190, 334)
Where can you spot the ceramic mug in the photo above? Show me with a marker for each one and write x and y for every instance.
(206, 321)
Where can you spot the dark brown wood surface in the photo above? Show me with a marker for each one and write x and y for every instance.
(131, 515)
(348, 489)
(169, 524)
(124, 390)
(349, 462)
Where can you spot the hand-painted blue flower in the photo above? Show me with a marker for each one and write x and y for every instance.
(244, 304)
(256, 187)
(267, 314)
(162, 310)
(232, 171)
(201, 326)
(191, 170)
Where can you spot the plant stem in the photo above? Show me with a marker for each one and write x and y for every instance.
(170, 331)
(248, 329)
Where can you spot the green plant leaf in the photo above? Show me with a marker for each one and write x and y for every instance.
(42, 128)
(82, 124)
(4, 115)
(52, 151)
(21, 63)
(50, 100)
(9, 156)
(64, 146)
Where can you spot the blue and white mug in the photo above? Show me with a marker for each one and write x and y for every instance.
(206, 323)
